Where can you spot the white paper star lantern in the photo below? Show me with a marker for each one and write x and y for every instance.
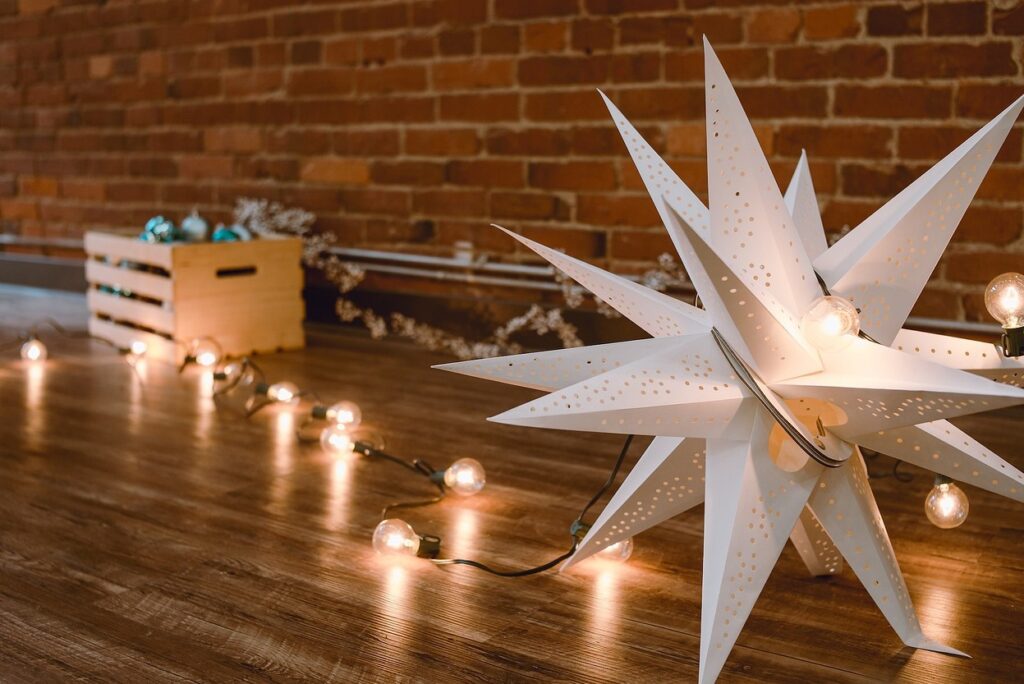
(747, 415)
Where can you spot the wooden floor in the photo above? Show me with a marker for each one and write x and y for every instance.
(146, 535)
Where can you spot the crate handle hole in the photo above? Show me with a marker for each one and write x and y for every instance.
(236, 272)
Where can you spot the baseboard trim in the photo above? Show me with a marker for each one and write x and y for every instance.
(48, 272)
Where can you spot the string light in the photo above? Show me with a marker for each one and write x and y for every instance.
(830, 324)
(1004, 299)
(395, 537)
(345, 413)
(204, 352)
(946, 505)
(336, 440)
(465, 477)
(283, 392)
(34, 350)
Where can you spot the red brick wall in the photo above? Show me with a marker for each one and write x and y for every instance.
(414, 124)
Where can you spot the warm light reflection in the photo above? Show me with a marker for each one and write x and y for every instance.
(136, 392)
(284, 441)
(284, 444)
(205, 409)
(35, 417)
(392, 619)
(938, 610)
(603, 645)
(338, 494)
(206, 383)
(461, 542)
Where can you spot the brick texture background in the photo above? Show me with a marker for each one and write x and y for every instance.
(411, 125)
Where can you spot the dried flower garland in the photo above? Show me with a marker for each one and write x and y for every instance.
(263, 217)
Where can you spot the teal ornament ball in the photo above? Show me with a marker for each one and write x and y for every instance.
(232, 233)
(225, 234)
(159, 229)
(195, 228)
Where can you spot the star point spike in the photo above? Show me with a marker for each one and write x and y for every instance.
(685, 391)
(750, 507)
(802, 203)
(666, 481)
(826, 403)
(883, 264)
(846, 507)
(657, 314)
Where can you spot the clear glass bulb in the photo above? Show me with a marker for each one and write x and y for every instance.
(946, 505)
(465, 477)
(1004, 299)
(619, 551)
(138, 348)
(205, 352)
(345, 413)
(284, 392)
(830, 324)
(336, 440)
(34, 350)
(394, 537)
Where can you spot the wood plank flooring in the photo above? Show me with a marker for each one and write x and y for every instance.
(146, 535)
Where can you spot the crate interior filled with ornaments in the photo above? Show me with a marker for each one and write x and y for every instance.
(175, 289)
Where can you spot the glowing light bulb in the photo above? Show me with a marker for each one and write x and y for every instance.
(1004, 299)
(465, 477)
(336, 440)
(345, 413)
(946, 505)
(33, 350)
(205, 352)
(284, 392)
(138, 348)
(394, 537)
(620, 551)
(830, 324)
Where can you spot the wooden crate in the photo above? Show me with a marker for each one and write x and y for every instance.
(245, 295)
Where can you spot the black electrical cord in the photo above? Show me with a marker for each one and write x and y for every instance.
(418, 466)
(576, 530)
(896, 473)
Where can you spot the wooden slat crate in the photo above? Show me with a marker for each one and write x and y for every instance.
(245, 295)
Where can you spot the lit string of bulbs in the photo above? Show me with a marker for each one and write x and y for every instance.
(830, 324)
(392, 536)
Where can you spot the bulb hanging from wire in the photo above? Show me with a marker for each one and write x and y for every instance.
(345, 413)
(336, 440)
(830, 324)
(205, 352)
(283, 392)
(34, 350)
(620, 551)
(946, 505)
(1004, 299)
(395, 537)
(465, 477)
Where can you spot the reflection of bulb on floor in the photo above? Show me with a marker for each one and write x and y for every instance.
(946, 505)
(394, 537)
(336, 440)
(345, 413)
(284, 392)
(830, 324)
(33, 350)
(619, 551)
(465, 477)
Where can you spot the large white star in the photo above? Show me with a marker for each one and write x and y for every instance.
(731, 391)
